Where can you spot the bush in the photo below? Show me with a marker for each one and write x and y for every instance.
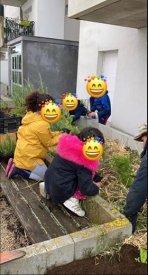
(123, 168)
(65, 122)
(19, 94)
(7, 147)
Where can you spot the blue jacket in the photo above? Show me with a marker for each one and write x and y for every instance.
(102, 105)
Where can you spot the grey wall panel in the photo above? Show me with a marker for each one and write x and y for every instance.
(56, 63)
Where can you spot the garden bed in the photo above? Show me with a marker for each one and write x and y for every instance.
(110, 190)
(114, 190)
(122, 263)
(13, 235)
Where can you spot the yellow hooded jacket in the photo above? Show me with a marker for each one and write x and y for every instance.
(34, 138)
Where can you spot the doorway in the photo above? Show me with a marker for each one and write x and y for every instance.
(107, 66)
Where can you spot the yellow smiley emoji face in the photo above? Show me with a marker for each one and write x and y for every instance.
(92, 149)
(96, 87)
(69, 102)
(51, 112)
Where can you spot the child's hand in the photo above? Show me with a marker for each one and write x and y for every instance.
(65, 130)
(99, 184)
(92, 114)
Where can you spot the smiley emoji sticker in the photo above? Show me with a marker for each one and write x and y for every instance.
(50, 112)
(69, 102)
(92, 149)
(96, 86)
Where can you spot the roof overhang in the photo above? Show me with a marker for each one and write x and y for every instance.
(15, 3)
(126, 13)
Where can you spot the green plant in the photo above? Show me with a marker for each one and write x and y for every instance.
(133, 154)
(18, 97)
(65, 122)
(143, 256)
(7, 146)
(87, 252)
(142, 218)
(20, 92)
(3, 105)
(25, 22)
(110, 248)
(123, 169)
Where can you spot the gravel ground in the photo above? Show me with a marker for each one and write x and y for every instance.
(12, 233)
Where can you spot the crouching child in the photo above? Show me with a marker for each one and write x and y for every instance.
(72, 177)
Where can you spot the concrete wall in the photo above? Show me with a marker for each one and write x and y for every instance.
(76, 6)
(130, 96)
(4, 71)
(50, 20)
(4, 75)
(71, 29)
(54, 60)
(12, 12)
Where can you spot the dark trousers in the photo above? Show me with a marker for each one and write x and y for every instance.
(24, 173)
(137, 194)
(103, 115)
(78, 112)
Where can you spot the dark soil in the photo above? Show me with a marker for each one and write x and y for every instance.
(123, 263)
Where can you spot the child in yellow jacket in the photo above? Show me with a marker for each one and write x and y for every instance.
(34, 140)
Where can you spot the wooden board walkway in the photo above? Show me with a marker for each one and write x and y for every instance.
(41, 221)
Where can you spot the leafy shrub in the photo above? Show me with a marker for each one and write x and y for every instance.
(65, 122)
(123, 168)
(19, 94)
(3, 105)
(7, 146)
(18, 97)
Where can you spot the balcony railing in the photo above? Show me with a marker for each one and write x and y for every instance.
(14, 29)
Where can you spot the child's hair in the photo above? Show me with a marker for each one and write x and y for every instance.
(89, 132)
(33, 101)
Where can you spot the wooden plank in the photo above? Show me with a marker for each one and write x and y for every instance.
(67, 222)
(24, 213)
(49, 224)
(28, 218)
(68, 219)
(36, 217)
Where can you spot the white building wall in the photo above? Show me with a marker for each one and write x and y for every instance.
(12, 12)
(71, 29)
(4, 71)
(129, 107)
(49, 18)
(4, 81)
(30, 11)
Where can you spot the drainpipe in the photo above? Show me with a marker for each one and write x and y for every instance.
(21, 14)
(1, 26)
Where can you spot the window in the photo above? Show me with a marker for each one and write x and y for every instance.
(16, 65)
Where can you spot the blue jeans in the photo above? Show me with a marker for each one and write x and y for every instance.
(36, 174)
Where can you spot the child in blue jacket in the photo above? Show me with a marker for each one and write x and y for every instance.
(102, 107)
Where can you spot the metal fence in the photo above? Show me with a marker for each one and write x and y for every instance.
(14, 29)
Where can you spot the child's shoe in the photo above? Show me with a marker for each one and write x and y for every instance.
(73, 205)
(12, 171)
(43, 191)
(10, 162)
